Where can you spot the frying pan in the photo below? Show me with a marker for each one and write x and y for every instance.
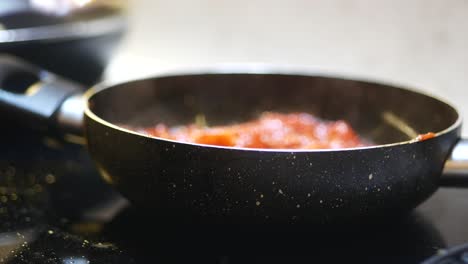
(91, 32)
(222, 185)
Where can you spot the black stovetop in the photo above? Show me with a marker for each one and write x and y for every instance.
(54, 208)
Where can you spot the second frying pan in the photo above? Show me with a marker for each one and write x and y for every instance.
(223, 185)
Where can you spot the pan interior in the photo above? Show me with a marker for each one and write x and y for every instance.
(380, 113)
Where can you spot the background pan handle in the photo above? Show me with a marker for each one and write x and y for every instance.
(32, 96)
(455, 173)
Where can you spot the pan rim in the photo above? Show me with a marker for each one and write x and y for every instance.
(96, 27)
(267, 70)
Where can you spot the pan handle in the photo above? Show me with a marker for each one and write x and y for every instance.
(455, 173)
(37, 98)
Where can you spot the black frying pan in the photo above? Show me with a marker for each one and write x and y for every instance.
(192, 182)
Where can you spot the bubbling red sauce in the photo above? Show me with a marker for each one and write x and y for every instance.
(270, 130)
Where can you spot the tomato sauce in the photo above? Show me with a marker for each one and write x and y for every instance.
(426, 136)
(271, 131)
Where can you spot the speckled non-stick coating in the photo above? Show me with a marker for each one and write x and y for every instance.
(226, 185)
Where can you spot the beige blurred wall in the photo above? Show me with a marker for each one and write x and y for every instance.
(423, 43)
